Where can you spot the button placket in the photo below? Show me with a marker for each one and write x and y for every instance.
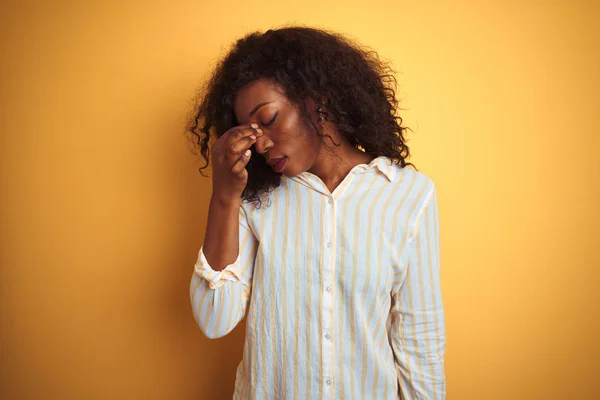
(328, 282)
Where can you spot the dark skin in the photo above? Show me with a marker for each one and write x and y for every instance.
(274, 126)
(289, 136)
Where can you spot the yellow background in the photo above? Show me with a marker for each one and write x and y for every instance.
(103, 210)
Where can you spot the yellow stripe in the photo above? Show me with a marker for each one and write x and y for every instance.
(403, 388)
(395, 225)
(196, 285)
(410, 297)
(431, 275)
(195, 293)
(380, 265)
(201, 303)
(423, 302)
(234, 309)
(353, 284)
(368, 267)
(430, 257)
(344, 208)
(384, 340)
(247, 262)
(260, 261)
(271, 293)
(308, 292)
(220, 314)
(296, 291)
(245, 390)
(284, 286)
(435, 300)
(399, 337)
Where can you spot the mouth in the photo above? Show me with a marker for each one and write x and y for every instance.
(278, 163)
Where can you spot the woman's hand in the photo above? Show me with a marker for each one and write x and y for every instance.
(230, 155)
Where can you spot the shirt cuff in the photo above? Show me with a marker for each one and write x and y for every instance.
(217, 279)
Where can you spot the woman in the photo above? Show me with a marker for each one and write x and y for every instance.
(317, 229)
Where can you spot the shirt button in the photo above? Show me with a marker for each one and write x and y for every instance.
(327, 336)
(329, 201)
(328, 244)
(328, 382)
(328, 289)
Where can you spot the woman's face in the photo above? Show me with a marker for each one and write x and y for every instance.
(286, 135)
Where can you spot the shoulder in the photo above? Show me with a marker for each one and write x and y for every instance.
(418, 185)
(417, 191)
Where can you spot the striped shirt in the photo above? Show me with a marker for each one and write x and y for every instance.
(341, 290)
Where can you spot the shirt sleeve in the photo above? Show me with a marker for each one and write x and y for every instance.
(219, 298)
(417, 328)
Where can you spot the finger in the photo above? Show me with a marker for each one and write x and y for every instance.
(241, 145)
(238, 167)
(243, 131)
(236, 131)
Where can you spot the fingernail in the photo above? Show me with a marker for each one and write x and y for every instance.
(247, 152)
(259, 131)
(254, 125)
(252, 137)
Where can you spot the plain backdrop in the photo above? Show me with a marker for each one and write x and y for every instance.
(103, 209)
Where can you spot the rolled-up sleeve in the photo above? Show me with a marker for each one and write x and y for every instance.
(219, 298)
(417, 331)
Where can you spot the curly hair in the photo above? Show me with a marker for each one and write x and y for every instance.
(359, 89)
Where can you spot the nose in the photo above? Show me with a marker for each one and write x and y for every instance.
(263, 144)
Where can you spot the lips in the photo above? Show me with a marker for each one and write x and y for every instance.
(277, 163)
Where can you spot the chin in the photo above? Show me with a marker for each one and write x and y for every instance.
(292, 169)
(289, 171)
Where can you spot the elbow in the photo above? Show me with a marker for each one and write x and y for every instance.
(215, 311)
(213, 326)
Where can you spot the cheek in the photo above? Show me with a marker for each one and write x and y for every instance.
(302, 146)
(299, 140)
(304, 154)
(305, 136)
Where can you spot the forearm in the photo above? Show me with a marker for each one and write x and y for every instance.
(221, 241)
(220, 286)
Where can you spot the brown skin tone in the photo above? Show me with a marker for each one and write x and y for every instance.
(292, 137)
(274, 126)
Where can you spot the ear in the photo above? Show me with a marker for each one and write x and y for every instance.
(310, 103)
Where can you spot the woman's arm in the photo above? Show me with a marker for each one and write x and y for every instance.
(221, 245)
(221, 283)
(418, 327)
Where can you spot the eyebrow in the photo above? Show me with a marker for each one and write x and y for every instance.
(255, 109)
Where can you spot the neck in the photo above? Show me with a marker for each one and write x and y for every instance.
(333, 165)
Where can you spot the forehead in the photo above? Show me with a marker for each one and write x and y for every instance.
(254, 93)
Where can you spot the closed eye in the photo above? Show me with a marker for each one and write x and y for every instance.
(272, 119)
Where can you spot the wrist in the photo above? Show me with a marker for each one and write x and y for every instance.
(226, 199)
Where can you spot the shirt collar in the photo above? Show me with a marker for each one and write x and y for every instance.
(383, 164)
